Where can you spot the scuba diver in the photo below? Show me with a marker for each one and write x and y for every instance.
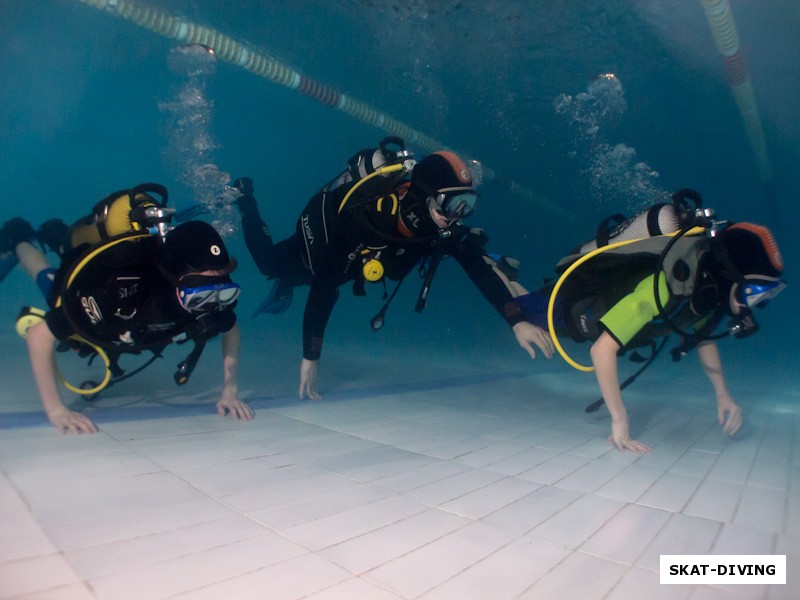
(128, 282)
(704, 271)
(371, 223)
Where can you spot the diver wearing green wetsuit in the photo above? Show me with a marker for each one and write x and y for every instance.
(612, 303)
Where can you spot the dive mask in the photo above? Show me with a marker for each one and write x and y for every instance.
(455, 203)
(758, 291)
(201, 294)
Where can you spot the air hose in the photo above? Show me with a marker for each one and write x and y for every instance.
(100, 386)
(381, 171)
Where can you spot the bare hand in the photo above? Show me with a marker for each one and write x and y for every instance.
(621, 439)
(528, 333)
(308, 380)
(67, 421)
(231, 405)
(729, 414)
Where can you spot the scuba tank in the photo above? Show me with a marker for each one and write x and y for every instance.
(124, 212)
(659, 219)
(364, 164)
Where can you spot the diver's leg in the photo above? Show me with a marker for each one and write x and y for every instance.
(32, 259)
(37, 267)
(12, 232)
(257, 235)
(16, 245)
(54, 234)
(282, 260)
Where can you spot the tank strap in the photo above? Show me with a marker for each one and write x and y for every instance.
(606, 226)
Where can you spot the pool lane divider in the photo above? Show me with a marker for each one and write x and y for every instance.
(247, 57)
(723, 28)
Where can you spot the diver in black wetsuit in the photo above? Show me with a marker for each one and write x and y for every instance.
(125, 294)
(383, 234)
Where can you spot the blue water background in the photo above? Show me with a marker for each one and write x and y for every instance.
(79, 117)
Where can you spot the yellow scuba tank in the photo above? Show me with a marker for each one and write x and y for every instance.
(123, 212)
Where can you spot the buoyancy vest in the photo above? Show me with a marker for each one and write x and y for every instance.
(129, 223)
(609, 273)
(630, 261)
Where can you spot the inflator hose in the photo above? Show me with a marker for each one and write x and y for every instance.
(551, 304)
(100, 386)
(380, 171)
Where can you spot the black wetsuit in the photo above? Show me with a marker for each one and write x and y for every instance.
(329, 248)
(120, 300)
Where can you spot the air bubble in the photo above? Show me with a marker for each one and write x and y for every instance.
(191, 143)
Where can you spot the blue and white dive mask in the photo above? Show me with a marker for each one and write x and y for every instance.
(203, 294)
(759, 290)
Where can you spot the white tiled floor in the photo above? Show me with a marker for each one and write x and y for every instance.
(485, 483)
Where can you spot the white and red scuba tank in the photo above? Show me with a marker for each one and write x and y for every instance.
(659, 219)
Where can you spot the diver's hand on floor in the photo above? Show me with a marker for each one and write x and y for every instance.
(67, 421)
(621, 439)
(528, 333)
(729, 414)
(308, 380)
(231, 405)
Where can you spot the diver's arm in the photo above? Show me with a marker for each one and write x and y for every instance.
(494, 288)
(729, 414)
(41, 349)
(321, 299)
(604, 358)
(489, 283)
(229, 402)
